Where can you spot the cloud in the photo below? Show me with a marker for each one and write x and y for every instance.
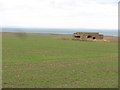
(113, 2)
(58, 14)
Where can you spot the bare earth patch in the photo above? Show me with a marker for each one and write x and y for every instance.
(111, 38)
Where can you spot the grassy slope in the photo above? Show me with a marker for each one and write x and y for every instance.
(41, 60)
(0, 61)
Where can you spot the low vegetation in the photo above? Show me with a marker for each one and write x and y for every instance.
(57, 61)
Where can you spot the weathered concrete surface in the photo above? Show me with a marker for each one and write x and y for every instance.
(87, 35)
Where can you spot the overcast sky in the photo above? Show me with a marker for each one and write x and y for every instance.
(93, 14)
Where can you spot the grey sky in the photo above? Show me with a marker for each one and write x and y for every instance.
(59, 13)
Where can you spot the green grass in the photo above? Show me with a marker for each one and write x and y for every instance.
(48, 61)
(0, 61)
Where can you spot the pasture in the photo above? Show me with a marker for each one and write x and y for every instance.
(55, 61)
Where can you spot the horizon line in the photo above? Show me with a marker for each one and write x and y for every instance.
(55, 28)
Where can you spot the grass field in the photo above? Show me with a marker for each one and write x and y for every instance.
(51, 61)
(0, 61)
